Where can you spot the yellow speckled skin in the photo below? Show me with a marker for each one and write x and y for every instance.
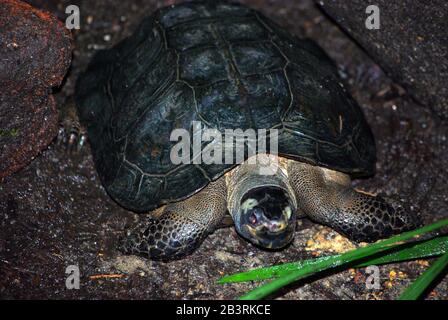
(249, 175)
(178, 228)
(324, 195)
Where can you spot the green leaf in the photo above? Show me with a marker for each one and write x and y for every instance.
(334, 261)
(415, 290)
(426, 249)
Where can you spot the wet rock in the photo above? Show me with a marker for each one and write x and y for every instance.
(411, 44)
(35, 55)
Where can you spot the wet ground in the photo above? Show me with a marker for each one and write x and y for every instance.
(55, 213)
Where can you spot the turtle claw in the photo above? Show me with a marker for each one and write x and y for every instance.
(71, 137)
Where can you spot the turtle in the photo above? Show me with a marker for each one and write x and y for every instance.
(224, 67)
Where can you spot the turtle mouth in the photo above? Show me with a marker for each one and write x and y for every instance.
(266, 217)
(270, 240)
(268, 227)
(270, 234)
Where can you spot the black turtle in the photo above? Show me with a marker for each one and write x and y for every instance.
(225, 66)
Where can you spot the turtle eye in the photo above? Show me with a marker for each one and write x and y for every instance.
(253, 219)
(255, 216)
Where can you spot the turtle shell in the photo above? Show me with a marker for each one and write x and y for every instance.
(227, 67)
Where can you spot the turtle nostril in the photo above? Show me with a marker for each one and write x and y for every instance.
(275, 226)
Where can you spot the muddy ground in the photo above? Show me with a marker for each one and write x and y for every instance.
(55, 213)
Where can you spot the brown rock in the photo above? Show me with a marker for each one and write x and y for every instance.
(35, 54)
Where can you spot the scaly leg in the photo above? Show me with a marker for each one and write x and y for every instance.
(327, 197)
(180, 227)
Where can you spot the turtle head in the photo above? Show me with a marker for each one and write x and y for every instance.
(266, 217)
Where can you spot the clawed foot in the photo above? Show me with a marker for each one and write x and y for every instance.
(71, 134)
(71, 137)
(373, 217)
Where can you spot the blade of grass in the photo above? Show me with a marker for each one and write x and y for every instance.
(415, 290)
(426, 249)
(345, 258)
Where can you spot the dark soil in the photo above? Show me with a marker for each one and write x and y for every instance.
(55, 213)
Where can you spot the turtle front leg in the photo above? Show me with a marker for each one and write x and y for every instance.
(327, 197)
(180, 227)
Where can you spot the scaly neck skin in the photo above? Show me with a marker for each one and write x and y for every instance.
(252, 174)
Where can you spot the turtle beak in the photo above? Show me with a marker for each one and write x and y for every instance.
(275, 227)
(266, 216)
(272, 232)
